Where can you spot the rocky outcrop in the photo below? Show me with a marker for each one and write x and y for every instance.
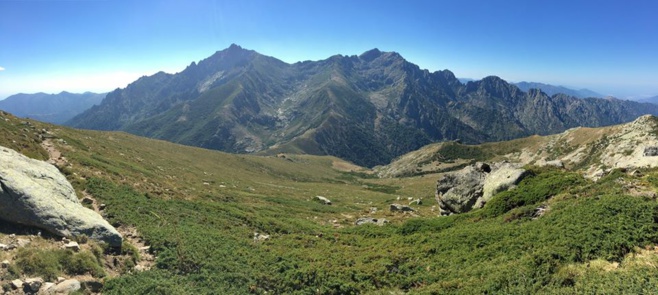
(35, 193)
(473, 186)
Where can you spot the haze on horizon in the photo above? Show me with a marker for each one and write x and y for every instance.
(99, 45)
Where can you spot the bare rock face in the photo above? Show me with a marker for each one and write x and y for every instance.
(35, 193)
(474, 185)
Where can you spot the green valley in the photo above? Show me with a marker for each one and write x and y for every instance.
(199, 211)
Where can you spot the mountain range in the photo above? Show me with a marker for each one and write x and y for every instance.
(552, 89)
(367, 109)
(52, 108)
(653, 100)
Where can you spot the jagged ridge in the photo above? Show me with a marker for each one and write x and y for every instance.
(367, 109)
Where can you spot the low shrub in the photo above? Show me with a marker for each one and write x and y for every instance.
(535, 188)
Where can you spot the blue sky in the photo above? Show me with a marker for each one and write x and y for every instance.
(99, 45)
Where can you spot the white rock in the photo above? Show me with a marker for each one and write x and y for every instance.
(66, 287)
(16, 284)
(47, 288)
(72, 246)
(35, 193)
(323, 200)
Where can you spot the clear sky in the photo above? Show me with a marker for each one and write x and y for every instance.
(98, 45)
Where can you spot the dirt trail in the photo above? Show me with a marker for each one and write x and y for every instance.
(54, 155)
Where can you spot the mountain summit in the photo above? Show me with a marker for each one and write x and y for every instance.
(367, 109)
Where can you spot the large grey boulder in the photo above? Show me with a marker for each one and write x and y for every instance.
(502, 177)
(459, 191)
(474, 185)
(35, 193)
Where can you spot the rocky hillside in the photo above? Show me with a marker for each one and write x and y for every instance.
(52, 108)
(595, 151)
(367, 109)
(207, 222)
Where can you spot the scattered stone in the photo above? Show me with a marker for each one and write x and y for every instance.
(15, 284)
(32, 284)
(323, 200)
(651, 151)
(60, 279)
(401, 208)
(5, 263)
(21, 242)
(261, 237)
(47, 288)
(92, 285)
(102, 207)
(373, 210)
(35, 193)
(595, 173)
(3, 247)
(539, 211)
(140, 268)
(636, 173)
(369, 220)
(67, 286)
(72, 246)
(416, 201)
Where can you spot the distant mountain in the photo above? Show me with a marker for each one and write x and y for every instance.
(653, 100)
(552, 90)
(367, 109)
(52, 108)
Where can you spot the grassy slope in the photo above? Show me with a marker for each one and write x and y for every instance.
(199, 210)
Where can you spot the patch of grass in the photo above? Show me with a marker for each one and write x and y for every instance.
(49, 264)
(382, 188)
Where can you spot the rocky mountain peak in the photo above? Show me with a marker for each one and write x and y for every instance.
(238, 99)
(370, 55)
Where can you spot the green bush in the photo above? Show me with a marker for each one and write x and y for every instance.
(535, 188)
(80, 264)
(43, 263)
(50, 264)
